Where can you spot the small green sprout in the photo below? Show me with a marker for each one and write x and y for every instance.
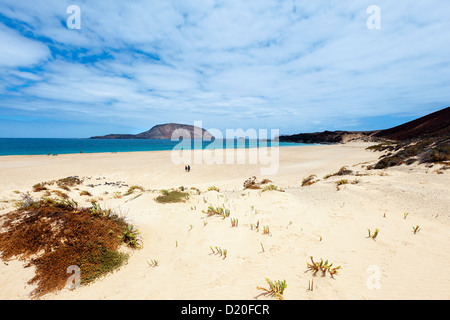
(153, 263)
(374, 235)
(276, 288)
(224, 213)
(220, 251)
(322, 266)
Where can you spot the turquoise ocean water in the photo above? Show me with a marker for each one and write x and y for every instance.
(37, 146)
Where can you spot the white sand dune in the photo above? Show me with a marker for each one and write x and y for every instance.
(316, 220)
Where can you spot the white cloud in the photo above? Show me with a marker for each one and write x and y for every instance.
(19, 51)
(267, 62)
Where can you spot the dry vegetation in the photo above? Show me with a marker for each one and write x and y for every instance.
(435, 150)
(253, 183)
(63, 183)
(132, 189)
(342, 172)
(309, 180)
(55, 234)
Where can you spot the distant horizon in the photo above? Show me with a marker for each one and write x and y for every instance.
(400, 121)
(57, 146)
(94, 68)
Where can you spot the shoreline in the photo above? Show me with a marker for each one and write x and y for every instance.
(294, 144)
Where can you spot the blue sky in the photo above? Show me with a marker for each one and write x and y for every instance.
(296, 66)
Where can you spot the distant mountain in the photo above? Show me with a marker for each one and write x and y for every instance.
(163, 131)
(434, 125)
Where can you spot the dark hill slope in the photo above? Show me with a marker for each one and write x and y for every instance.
(426, 140)
(435, 124)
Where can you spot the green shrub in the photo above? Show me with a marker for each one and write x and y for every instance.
(172, 196)
(99, 262)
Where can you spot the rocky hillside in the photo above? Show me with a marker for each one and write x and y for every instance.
(434, 125)
(326, 137)
(424, 140)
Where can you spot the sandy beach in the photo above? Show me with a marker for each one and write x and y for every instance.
(316, 220)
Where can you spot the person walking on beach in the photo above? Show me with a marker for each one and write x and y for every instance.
(189, 168)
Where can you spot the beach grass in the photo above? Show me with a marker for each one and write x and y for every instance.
(173, 196)
(85, 193)
(343, 171)
(132, 189)
(220, 211)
